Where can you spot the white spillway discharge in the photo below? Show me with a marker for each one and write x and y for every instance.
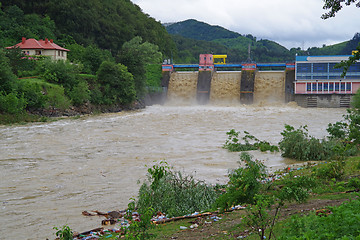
(182, 88)
(51, 172)
(269, 87)
(225, 88)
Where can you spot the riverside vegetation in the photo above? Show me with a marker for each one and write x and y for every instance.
(265, 196)
(108, 73)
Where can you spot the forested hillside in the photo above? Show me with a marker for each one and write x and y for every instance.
(113, 63)
(193, 37)
(106, 24)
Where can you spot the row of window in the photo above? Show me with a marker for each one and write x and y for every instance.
(319, 87)
(324, 68)
(319, 76)
(39, 52)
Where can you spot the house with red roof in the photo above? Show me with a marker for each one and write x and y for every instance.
(42, 48)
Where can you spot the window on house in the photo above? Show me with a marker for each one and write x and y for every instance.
(37, 52)
(58, 53)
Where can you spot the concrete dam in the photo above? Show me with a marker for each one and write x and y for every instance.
(310, 81)
(226, 87)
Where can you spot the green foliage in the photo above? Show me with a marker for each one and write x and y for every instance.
(65, 233)
(19, 62)
(251, 143)
(297, 144)
(341, 223)
(116, 82)
(7, 78)
(354, 182)
(263, 214)
(106, 24)
(15, 24)
(33, 93)
(348, 130)
(80, 93)
(138, 230)
(59, 72)
(136, 55)
(153, 76)
(333, 169)
(173, 193)
(91, 56)
(260, 217)
(296, 188)
(12, 103)
(244, 183)
(55, 97)
(335, 6)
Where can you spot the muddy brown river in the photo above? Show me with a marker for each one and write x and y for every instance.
(51, 172)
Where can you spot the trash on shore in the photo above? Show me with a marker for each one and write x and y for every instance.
(118, 217)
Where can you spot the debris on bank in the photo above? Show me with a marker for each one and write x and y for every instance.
(118, 218)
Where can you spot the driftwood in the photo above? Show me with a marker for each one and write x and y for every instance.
(181, 217)
(193, 216)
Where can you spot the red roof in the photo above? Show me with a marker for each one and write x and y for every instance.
(41, 44)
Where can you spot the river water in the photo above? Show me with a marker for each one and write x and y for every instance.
(51, 172)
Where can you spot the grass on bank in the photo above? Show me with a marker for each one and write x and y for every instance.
(232, 224)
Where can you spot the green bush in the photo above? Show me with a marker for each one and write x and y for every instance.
(153, 76)
(7, 78)
(297, 144)
(55, 97)
(173, 193)
(354, 182)
(244, 183)
(59, 72)
(12, 103)
(65, 233)
(233, 143)
(341, 223)
(33, 93)
(80, 93)
(117, 84)
(333, 169)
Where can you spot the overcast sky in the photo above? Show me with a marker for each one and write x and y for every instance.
(292, 23)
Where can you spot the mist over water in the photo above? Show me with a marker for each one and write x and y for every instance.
(51, 172)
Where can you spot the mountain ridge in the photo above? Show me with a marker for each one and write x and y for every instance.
(189, 32)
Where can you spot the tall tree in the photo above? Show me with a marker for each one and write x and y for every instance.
(335, 6)
(136, 55)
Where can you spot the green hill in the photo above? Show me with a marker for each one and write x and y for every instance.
(218, 40)
(224, 41)
(106, 24)
(200, 31)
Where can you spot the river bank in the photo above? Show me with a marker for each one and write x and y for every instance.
(53, 171)
(232, 224)
(53, 114)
